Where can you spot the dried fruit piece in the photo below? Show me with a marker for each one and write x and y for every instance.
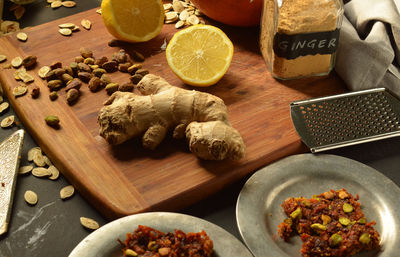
(29, 61)
(25, 169)
(21, 36)
(89, 223)
(55, 173)
(41, 172)
(7, 121)
(4, 106)
(43, 71)
(19, 12)
(68, 4)
(67, 192)
(20, 90)
(65, 32)
(31, 197)
(16, 62)
(35, 91)
(52, 120)
(86, 24)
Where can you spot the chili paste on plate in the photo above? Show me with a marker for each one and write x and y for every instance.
(329, 224)
(149, 242)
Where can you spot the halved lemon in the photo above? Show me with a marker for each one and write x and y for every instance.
(133, 20)
(200, 55)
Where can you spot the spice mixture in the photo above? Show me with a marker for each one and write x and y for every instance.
(294, 17)
(330, 224)
(147, 242)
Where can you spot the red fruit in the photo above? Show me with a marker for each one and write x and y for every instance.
(243, 13)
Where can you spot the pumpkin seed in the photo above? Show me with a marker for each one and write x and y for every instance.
(68, 4)
(177, 6)
(68, 25)
(171, 17)
(20, 90)
(47, 160)
(7, 121)
(55, 4)
(75, 29)
(26, 77)
(18, 72)
(16, 62)
(193, 20)
(31, 197)
(25, 169)
(55, 173)
(89, 223)
(3, 58)
(22, 36)
(67, 192)
(98, 11)
(86, 24)
(39, 160)
(184, 15)
(41, 172)
(179, 24)
(167, 7)
(33, 152)
(43, 71)
(4, 106)
(65, 32)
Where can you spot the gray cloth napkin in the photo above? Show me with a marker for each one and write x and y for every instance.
(368, 55)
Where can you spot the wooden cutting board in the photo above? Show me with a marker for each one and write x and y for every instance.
(128, 179)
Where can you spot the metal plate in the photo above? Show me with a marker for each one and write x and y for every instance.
(259, 212)
(103, 242)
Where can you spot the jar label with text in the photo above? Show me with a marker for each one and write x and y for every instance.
(293, 46)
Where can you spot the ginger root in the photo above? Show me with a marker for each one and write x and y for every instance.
(201, 117)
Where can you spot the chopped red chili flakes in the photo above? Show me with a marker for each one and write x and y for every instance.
(148, 242)
(329, 224)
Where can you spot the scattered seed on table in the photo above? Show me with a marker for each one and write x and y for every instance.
(86, 24)
(3, 58)
(39, 160)
(21, 36)
(179, 24)
(65, 32)
(98, 11)
(31, 197)
(41, 172)
(7, 121)
(55, 4)
(89, 223)
(20, 90)
(67, 192)
(25, 169)
(43, 71)
(4, 106)
(16, 62)
(68, 25)
(55, 173)
(52, 120)
(33, 152)
(68, 4)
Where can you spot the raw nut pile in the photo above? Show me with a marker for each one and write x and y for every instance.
(94, 71)
(182, 13)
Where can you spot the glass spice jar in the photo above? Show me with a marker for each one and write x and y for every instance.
(299, 38)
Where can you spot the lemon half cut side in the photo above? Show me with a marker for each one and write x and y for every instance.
(133, 20)
(200, 55)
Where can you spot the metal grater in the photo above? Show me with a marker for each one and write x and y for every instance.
(341, 120)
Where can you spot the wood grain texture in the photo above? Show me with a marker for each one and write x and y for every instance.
(128, 179)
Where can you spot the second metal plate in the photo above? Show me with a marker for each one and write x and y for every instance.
(259, 212)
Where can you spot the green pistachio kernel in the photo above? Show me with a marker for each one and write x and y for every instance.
(365, 238)
(296, 213)
(362, 220)
(344, 221)
(318, 226)
(347, 208)
(335, 239)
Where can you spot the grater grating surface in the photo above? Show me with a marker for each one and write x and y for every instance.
(346, 119)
